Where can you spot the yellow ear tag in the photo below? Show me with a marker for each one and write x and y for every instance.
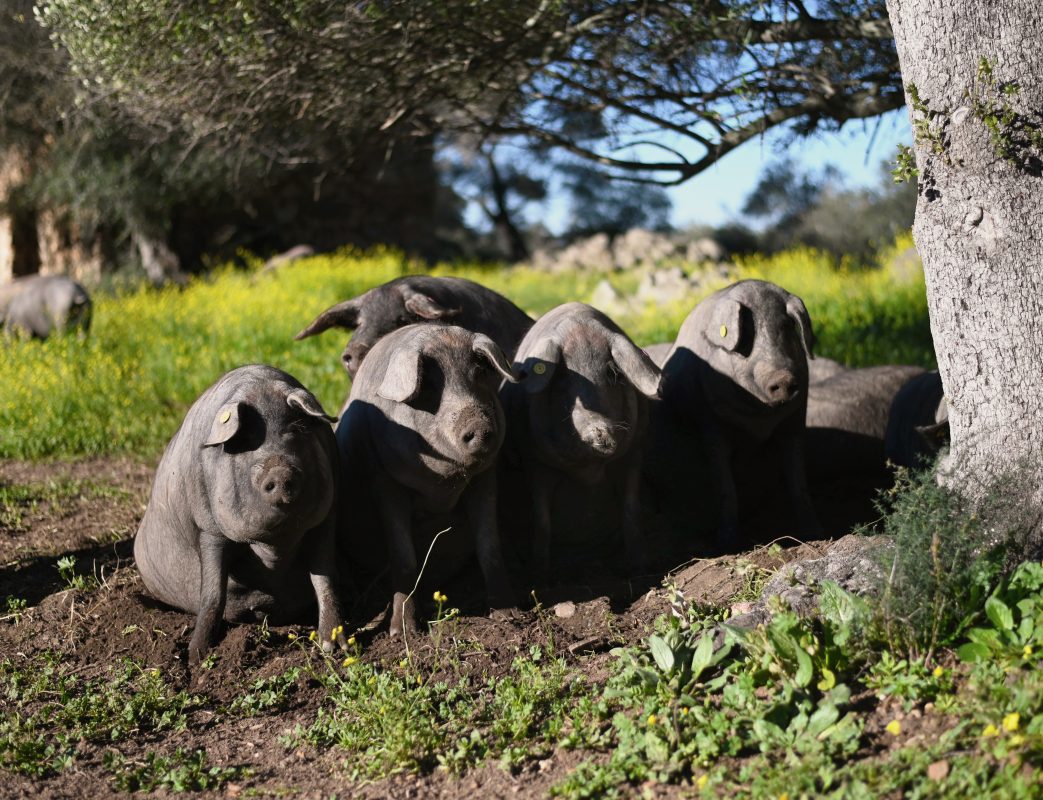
(226, 416)
(539, 368)
(724, 331)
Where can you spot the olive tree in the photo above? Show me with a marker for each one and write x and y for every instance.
(973, 76)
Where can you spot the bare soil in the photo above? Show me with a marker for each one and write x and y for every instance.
(94, 517)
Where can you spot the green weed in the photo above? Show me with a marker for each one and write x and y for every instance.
(51, 711)
(184, 771)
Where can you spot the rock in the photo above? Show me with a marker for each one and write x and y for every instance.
(852, 562)
(638, 246)
(705, 249)
(665, 286)
(605, 298)
(565, 610)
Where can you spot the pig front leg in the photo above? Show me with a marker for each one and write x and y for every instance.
(480, 506)
(633, 541)
(541, 483)
(213, 590)
(396, 516)
(728, 524)
(797, 483)
(322, 568)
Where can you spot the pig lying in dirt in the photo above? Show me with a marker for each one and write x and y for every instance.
(918, 422)
(847, 420)
(580, 414)
(420, 433)
(39, 305)
(418, 299)
(738, 372)
(242, 516)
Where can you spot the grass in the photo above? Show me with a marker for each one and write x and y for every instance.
(151, 352)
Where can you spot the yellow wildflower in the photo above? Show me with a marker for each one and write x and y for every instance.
(894, 727)
(291, 636)
(1017, 740)
(652, 719)
(1026, 650)
(1011, 721)
(404, 663)
(989, 731)
(938, 672)
(702, 780)
(351, 641)
(312, 636)
(349, 661)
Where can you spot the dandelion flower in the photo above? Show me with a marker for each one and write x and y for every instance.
(894, 727)
(989, 731)
(702, 780)
(938, 672)
(1026, 650)
(1017, 740)
(291, 636)
(312, 636)
(1011, 721)
(349, 661)
(652, 719)
(351, 641)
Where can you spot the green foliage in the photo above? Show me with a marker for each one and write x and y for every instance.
(683, 703)
(1014, 612)
(17, 501)
(67, 570)
(184, 771)
(267, 694)
(947, 555)
(152, 352)
(1011, 134)
(905, 165)
(394, 720)
(52, 711)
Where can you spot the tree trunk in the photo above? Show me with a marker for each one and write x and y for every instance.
(979, 220)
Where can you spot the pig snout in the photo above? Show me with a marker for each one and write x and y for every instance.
(780, 387)
(600, 437)
(595, 430)
(278, 481)
(474, 432)
(352, 357)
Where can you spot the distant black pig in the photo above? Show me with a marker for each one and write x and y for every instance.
(38, 305)
(419, 299)
(242, 516)
(419, 436)
(918, 421)
(580, 414)
(738, 372)
(847, 420)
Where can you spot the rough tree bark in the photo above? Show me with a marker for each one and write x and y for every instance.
(979, 219)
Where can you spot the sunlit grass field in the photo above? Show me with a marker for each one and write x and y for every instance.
(151, 352)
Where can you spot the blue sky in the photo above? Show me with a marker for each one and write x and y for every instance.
(716, 196)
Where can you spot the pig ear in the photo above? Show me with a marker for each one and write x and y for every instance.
(309, 404)
(936, 435)
(796, 309)
(225, 425)
(636, 365)
(725, 323)
(425, 306)
(402, 380)
(538, 368)
(343, 315)
(491, 352)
